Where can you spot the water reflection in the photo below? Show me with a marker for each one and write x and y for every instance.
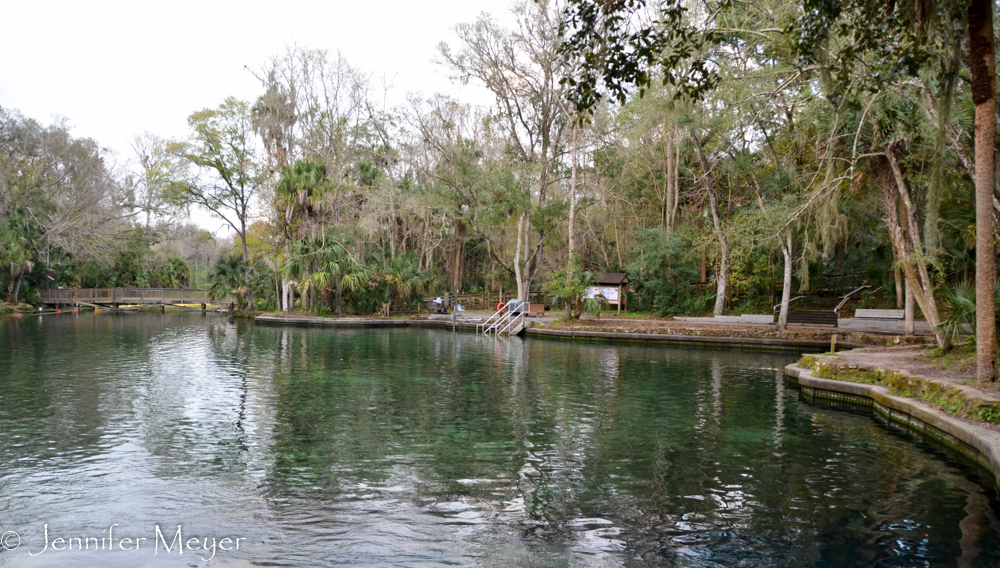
(423, 447)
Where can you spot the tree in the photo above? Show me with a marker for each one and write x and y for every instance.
(228, 279)
(568, 289)
(626, 45)
(231, 170)
(522, 68)
(983, 71)
(897, 45)
(58, 200)
(298, 200)
(156, 173)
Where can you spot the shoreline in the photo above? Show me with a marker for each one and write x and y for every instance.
(978, 443)
(797, 345)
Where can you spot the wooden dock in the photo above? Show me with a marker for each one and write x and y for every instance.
(115, 297)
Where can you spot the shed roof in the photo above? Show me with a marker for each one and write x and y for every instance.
(614, 278)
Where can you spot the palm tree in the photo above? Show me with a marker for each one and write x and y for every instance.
(394, 279)
(227, 278)
(337, 270)
(568, 289)
(960, 310)
(298, 198)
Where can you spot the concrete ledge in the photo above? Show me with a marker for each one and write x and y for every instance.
(745, 319)
(696, 340)
(980, 444)
(746, 342)
(361, 322)
(331, 322)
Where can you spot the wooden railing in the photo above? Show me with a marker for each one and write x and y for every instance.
(488, 301)
(124, 295)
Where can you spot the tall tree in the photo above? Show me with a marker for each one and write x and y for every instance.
(298, 200)
(983, 70)
(231, 169)
(156, 171)
(522, 68)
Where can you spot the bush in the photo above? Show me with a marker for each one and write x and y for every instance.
(665, 275)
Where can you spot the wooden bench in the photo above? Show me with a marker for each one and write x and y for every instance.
(880, 314)
(535, 310)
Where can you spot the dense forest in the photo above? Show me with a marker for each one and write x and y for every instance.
(748, 151)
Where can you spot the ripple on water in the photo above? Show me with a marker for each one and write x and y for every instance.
(424, 448)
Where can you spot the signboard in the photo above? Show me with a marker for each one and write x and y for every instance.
(610, 293)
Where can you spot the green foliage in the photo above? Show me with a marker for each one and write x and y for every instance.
(299, 196)
(228, 280)
(357, 209)
(664, 276)
(616, 50)
(567, 289)
(959, 309)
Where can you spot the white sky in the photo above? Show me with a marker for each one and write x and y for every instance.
(117, 69)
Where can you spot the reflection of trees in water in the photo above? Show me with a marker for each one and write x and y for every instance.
(578, 446)
(667, 443)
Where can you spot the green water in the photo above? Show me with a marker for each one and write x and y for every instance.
(414, 447)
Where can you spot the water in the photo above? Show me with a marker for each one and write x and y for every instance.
(424, 448)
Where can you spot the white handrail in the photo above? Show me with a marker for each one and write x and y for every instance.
(487, 322)
(496, 326)
(510, 324)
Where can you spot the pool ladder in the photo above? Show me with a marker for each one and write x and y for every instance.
(503, 323)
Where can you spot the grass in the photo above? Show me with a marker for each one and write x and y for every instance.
(961, 357)
(613, 313)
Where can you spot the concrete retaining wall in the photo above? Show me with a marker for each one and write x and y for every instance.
(744, 342)
(978, 443)
(882, 326)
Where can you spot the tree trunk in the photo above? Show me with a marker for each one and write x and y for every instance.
(286, 299)
(722, 280)
(246, 264)
(338, 299)
(786, 290)
(908, 315)
(704, 266)
(898, 276)
(904, 232)
(17, 284)
(668, 175)
(277, 290)
(571, 224)
(518, 273)
(677, 179)
(983, 70)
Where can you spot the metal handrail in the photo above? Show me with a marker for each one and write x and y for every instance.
(496, 326)
(487, 322)
(775, 308)
(848, 297)
(510, 324)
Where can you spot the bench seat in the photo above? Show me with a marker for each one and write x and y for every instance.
(880, 314)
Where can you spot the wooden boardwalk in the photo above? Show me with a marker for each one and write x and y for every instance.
(120, 296)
